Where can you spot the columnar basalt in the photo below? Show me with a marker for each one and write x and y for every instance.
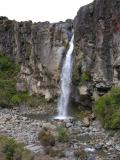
(39, 48)
(97, 37)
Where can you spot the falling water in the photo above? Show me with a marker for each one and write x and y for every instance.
(65, 83)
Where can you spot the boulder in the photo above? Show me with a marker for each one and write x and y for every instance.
(86, 121)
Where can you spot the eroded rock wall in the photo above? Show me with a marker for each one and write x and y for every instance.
(97, 47)
(39, 48)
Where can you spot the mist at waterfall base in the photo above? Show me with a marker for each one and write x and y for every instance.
(65, 83)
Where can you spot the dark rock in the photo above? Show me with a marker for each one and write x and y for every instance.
(39, 48)
(99, 146)
(91, 158)
(117, 147)
(68, 125)
(97, 47)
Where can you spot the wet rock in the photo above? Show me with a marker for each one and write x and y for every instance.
(68, 125)
(90, 150)
(98, 146)
(91, 158)
(117, 147)
(95, 129)
(109, 143)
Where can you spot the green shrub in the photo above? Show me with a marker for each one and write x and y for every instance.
(11, 150)
(35, 100)
(5, 63)
(23, 95)
(85, 77)
(65, 44)
(46, 138)
(8, 69)
(7, 90)
(16, 99)
(8, 73)
(27, 99)
(107, 109)
(10, 147)
(63, 135)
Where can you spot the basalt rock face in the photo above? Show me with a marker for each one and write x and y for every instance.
(97, 47)
(39, 48)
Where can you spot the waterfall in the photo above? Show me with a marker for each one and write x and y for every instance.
(65, 83)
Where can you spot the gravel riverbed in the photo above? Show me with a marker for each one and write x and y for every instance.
(97, 143)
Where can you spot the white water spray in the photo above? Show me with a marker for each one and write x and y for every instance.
(65, 83)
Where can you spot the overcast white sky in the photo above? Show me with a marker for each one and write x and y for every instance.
(41, 10)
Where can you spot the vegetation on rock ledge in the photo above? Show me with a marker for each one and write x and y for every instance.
(85, 77)
(8, 73)
(107, 109)
(8, 93)
(80, 80)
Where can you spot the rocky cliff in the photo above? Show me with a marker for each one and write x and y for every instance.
(97, 48)
(39, 49)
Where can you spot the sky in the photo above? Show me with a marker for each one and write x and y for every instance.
(41, 10)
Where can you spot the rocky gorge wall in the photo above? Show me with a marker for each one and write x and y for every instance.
(97, 49)
(39, 48)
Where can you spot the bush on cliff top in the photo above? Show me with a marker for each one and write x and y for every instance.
(107, 109)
